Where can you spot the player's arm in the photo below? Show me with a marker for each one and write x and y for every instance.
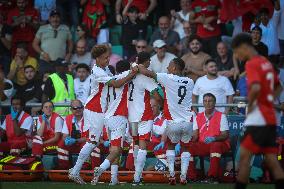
(252, 95)
(120, 82)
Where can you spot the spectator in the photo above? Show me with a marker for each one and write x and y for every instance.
(74, 136)
(165, 33)
(21, 60)
(16, 127)
(219, 86)
(31, 91)
(145, 8)
(83, 32)
(161, 60)
(141, 45)
(94, 17)
(81, 54)
(6, 88)
(5, 45)
(132, 30)
(69, 11)
(281, 29)
(225, 64)
(48, 134)
(260, 47)
(269, 28)
(59, 87)
(183, 46)
(205, 16)
(82, 82)
(211, 141)
(195, 59)
(178, 18)
(24, 21)
(52, 41)
(44, 7)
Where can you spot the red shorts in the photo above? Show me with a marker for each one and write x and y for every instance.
(260, 140)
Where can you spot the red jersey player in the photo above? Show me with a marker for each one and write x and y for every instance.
(177, 112)
(260, 124)
(95, 106)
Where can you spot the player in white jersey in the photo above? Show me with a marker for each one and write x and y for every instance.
(140, 114)
(177, 112)
(116, 123)
(95, 106)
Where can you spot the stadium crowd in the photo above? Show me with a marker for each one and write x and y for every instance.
(49, 48)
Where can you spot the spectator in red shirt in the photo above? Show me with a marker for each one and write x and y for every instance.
(24, 21)
(205, 16)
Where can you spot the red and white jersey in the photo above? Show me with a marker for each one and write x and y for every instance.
(139, 107)
(260, 70)
(117, 98)
(178, 94)
(97, 101)
(159, 125)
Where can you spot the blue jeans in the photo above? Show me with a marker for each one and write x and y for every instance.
(281, 45)
(69, 10)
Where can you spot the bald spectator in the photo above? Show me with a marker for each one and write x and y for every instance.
(161, 60)
(195, 59)
(224, 60)
(165, 33)
(53, 41)
(81, 56)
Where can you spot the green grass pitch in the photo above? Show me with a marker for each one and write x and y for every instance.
(61, 185)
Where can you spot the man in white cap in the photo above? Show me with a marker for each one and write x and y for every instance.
(161, 60)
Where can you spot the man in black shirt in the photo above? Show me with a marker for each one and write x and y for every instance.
(261, 48)
(5, 45)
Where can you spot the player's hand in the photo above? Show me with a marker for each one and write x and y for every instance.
(118, 18)
(69, 141)
(159, 146)
(106, 144)
(208, 140)
(14, 114)
(177, 149)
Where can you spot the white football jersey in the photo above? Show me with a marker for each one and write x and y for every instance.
(82, 89)
(117, 98)
(139, 107)
(178, 94)
(97, 101)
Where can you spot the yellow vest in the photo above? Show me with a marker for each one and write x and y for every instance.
(61, 93)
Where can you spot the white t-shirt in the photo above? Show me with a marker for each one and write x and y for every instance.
(223, 127)
(161, 67)
(178, 96)
(82, 89)
(98, 96)
(281, 21)
(219, 87)
(78, 125)
(58, 124)
(27, 123)
(139, 97)
(117, 97)
(178, 26)
(85, 59)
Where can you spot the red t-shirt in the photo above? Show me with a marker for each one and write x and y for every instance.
(142, 5)
(260, 70)
(207, 8)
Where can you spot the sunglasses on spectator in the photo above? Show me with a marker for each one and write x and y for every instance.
(141, 47)
(77, 108)
(55, 33)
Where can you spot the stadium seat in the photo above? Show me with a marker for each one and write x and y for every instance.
(115, 35)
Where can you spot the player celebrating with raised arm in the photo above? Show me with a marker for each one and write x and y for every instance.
(260, 124)
(140, 114)
(95, 105)
(177, 112)
(115, 122)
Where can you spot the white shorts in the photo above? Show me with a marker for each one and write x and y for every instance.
(94, 122)
(116, 128)
(179, 131)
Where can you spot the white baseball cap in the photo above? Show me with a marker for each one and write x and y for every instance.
(159, 43)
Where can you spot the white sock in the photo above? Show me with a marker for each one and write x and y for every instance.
(141, 159)
(135, 154)
(171, 161)
(185, 157)
(114, 172)
(83, 156)
(105, 165)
